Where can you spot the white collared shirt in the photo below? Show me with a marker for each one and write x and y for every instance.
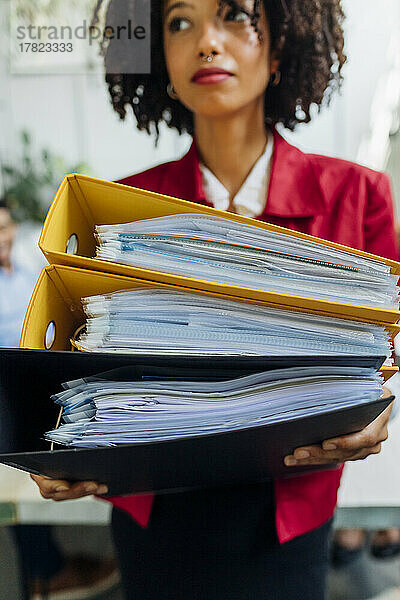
(251, 199)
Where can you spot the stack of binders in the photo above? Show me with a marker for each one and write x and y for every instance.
(190, 347)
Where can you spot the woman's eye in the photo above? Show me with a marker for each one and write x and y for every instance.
(238, 16)
(178, 24)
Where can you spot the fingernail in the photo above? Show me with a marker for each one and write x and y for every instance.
(102, 489)
(290, 460)
(62, 488)
(91, 488)
(302, 454)
(329, 446)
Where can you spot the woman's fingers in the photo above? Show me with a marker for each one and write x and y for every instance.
(58, 489)
(79, 490)
(355, 446)
(367, 452)
(367, 438)
(317, 456)
(375, 433)
(48, 486)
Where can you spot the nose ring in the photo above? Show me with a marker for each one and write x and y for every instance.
(208, 58)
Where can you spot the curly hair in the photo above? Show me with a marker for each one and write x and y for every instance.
(306, 35)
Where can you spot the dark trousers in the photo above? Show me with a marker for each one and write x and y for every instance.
(219, 544)
(38, 551)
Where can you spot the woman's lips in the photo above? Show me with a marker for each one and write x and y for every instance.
(208, 76)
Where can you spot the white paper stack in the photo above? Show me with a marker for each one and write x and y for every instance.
(102, 412)
(161, 321)
(216, 249)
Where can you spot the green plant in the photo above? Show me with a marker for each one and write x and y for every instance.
(30, 185)
(31, 11)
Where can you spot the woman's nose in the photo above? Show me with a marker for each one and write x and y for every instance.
(210, 40)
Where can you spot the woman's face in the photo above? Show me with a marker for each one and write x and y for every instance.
(192, 29)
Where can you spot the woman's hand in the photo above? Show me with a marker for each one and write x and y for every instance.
(355, 446)
(58, 489)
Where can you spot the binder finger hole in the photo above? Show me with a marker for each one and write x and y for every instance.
(50, 335)
(72, 244)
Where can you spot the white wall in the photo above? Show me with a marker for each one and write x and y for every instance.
(371, 27)
(72, 115)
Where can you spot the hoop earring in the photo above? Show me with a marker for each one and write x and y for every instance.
(171, 92)
(275, 78)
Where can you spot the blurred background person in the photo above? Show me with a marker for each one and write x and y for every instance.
(16, 283)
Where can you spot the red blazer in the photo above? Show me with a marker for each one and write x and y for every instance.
(326, 197)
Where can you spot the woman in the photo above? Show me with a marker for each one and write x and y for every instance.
(227, 73)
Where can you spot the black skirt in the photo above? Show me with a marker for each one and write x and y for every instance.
(216, 545)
